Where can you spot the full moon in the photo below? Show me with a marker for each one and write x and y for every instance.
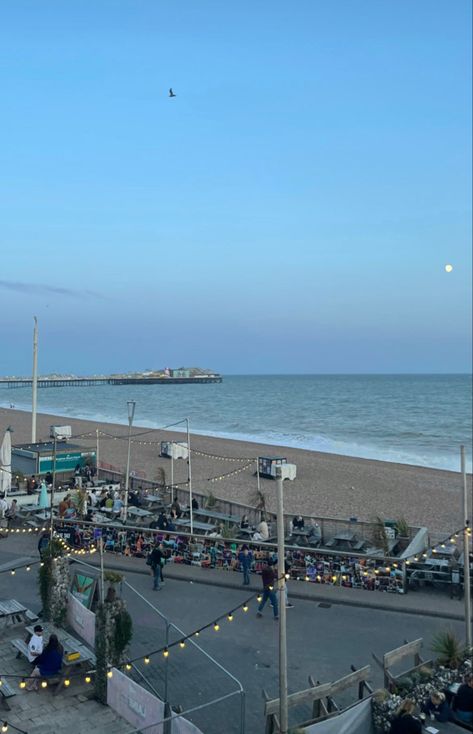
(449, 268)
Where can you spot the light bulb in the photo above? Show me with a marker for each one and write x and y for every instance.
(182, 644)
(67, 682)
(216, 626)
(230, 617)
(165, 652)
(44, 684)
(146, 660)
(87, 678)
(110, 674)
(245, 607)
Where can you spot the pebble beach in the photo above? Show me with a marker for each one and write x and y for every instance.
(327, 485)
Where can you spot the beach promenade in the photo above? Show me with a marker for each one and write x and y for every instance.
(326, 484)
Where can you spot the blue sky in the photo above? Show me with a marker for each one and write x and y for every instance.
(291, 210)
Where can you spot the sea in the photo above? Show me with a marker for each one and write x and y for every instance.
(411, 419)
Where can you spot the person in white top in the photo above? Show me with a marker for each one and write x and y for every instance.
(3, 505)
(35, 645)
(262, 531)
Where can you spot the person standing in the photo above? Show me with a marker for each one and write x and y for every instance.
(154, 560)
(246, 559)
(269, 578)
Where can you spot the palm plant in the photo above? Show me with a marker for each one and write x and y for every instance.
(449, 649)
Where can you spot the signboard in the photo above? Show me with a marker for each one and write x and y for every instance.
(83, 588)
(66, 461)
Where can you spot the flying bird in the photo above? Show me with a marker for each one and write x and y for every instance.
(171, 93)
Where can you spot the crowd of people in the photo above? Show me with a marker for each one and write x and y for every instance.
(441, 706)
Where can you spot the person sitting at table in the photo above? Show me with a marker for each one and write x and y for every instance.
(48, 478)
(133, 499)
(244, 522)
(404, 722)
(298, 523)
(437, 706)
(62, 507)
(10, 513)
(313, 532)
(262, 531)
(117, 504)
(176, 509)
(70, 512)
(108, 502)
(195, 504)
(49, 663)
(35, 645)
(162, 523)
(463, 701)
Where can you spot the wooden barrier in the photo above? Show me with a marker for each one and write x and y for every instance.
(321, 696)
(396, 656)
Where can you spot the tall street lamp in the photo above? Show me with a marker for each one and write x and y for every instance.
(131, 413)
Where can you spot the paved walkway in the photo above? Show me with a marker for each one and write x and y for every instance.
(42, 713)
(432, 603)
(429, 602)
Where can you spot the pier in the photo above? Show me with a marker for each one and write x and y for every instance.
(15, 382)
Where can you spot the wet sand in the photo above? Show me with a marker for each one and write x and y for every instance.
(327, 484)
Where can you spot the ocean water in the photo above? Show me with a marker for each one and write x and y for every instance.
(412, 419)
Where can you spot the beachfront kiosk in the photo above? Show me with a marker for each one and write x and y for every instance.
(38, 458)
(268, 466)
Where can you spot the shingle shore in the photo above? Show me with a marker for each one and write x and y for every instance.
(326, 484)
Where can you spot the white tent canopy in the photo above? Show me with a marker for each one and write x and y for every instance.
(5, 463)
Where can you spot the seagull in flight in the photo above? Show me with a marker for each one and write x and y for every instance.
(171, 93)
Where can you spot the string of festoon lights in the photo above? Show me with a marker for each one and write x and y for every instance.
(105, 434)
(230, 616)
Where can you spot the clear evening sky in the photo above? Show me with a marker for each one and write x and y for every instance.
(291, 210)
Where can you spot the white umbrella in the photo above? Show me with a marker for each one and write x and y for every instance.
(5, 463)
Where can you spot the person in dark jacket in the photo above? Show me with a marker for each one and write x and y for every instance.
(436, 706)
(154, 560)
(404, 721)
(269, 578)
(48, 664)
(463, 702)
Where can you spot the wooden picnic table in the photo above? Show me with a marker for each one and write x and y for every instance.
(11, 609)
(153, 499)
(206, 527)
(70, 644)
(139, 512)
(213, 515)
(444, 727)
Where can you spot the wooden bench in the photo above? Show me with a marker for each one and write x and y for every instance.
(21, 647)
(31, 616)
(7, 692)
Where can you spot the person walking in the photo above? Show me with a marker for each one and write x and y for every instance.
(269, 578)
(246, 558)
(154, 560)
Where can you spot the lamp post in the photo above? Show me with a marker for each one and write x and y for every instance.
(131, 413)
(282, 608)
(466, 552)
(34, 384)
(189, 478)
(53, 485)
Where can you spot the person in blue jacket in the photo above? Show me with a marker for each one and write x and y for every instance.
(437, 707)
(245, 558)
(48, 664)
